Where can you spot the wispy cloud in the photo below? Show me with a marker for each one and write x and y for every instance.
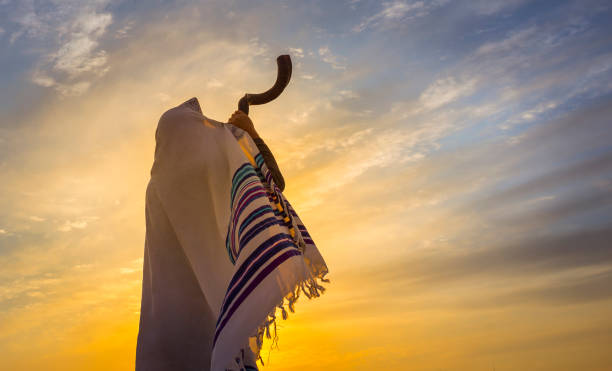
(297, 52)
(71, 58)
(446, 90)
(335, 61)
(393, 13)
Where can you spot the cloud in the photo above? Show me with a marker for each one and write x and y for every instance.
(83, 266)
(527, 258)
(579, 290)
(572, 205)
(552, 180)
(331, 154)
(122, 32)
(135, 266)
(394, 13)
(333, 60)
(489, 7)
(69, 225)
(530, 114)
(214, 83)
(446, 90)
(516, 41)
(297, 52)
(33, 286)
(345, 94)
(257, 47)
(71, 58)
(351, 145)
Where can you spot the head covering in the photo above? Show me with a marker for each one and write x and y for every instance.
(245, 251)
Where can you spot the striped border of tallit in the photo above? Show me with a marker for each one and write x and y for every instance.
(247, 186)
(245, 224)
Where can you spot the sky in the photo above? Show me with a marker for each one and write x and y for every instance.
(452, 161)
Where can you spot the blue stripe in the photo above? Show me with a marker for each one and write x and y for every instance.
(242, 208)
(231, 256)
(237, 218)
(254, 214)
(259, 159)
(240, 175)
(246, 183)
(232, 227)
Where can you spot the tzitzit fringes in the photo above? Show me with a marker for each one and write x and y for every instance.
(310, 287)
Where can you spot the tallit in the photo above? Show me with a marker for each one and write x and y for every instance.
(224, 249)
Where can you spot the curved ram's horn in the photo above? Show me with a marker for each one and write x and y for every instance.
(282, 79)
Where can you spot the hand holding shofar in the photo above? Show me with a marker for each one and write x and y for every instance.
(241, 119)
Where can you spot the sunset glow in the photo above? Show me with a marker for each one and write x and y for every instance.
(452, 161)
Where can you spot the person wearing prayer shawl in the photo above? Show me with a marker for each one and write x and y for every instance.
(225, 252)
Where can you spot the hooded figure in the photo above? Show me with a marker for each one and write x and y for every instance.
(223, 248)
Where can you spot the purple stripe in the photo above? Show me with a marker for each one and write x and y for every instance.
(235, 220)
(260, 277)
(247, 267)
(256, 229)
(231, 230)
(244, 203)
(244, 187)
(254, 217)
(257, 253)
(260, 261)
(246, 199)
(243, 176)
(248, 192)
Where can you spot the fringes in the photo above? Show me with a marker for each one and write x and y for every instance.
(310, 287)
(318, 286)
(304, 290)
(260, 333)
(281, 306)
(292, 298)
(268, 330)
(275, 341)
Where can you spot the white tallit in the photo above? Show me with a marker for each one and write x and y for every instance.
(223, 250)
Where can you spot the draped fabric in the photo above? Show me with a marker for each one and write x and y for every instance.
(225, 251)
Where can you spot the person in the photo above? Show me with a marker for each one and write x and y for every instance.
(180, 289)
(244, 122)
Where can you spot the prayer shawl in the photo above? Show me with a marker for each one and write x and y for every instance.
(224, 249)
